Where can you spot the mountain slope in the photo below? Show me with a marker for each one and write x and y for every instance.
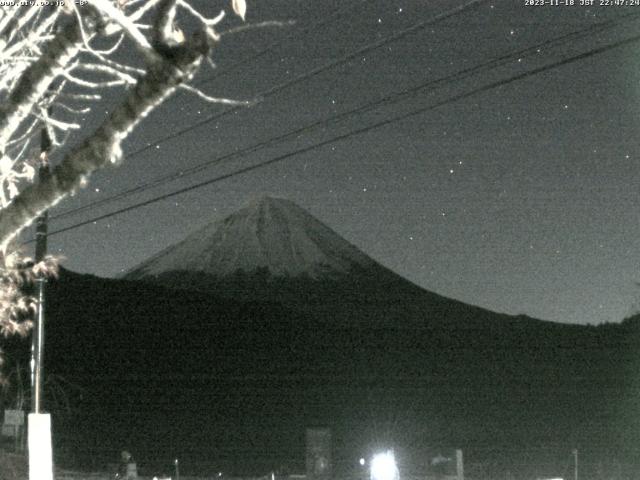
(274, 251)
(267, 322)
(230, 385)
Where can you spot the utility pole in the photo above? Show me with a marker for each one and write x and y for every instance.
(40, 451)
(575, 464)
(37, 340)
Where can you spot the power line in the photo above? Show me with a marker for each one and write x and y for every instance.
(359, 131)
(316, 71)
(398, 35)
(393, 97)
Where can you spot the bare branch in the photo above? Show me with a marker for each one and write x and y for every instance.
(207, 98)
(25, 135)
(7, 18)
(138, 14)
(128, 27)
(112, 63)
(115, 46)
(109, 70)
(15, 23)
(75, 111)
(81, 97)
(60, 125)
(164, 24)
(35, 80)
(253, 26)
(89, 84)
(103, 147)
(206, 22)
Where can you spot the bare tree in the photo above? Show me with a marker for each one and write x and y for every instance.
(63, 54)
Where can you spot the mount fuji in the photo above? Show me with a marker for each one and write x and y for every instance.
(270, 233)
(272, 250)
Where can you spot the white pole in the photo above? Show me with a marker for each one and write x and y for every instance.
(459, 465)
(40, 457)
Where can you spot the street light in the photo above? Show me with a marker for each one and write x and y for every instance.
(383, 466)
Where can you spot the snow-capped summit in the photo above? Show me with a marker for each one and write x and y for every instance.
(270, 233)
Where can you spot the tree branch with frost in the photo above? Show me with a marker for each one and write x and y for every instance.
(63, 58)
(126, 24)
(104, 146)
(35, 80)
(15, 22)
(253, 26)
(210, 99)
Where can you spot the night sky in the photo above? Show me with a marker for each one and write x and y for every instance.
(520, 199)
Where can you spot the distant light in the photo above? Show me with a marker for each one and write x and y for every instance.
(383, 467)
(362, 461)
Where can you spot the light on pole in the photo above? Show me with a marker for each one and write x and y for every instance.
(383, 466)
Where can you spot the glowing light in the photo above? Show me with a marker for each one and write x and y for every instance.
(362, 461)
(40, 446)
(383, 467)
